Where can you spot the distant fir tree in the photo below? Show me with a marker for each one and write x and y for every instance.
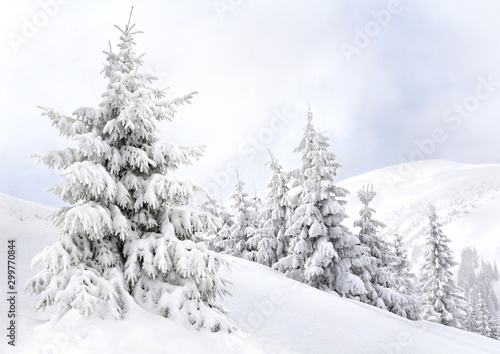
(256, 206)
(484, 323)
(401, 265)
(487, 270)
(236, 236)
(469, 322)
(466, 276)
(440, 298)
(223, 232)
(270, 238)
(495, 327)
(127, 231)
(211, 207)
(484, 285)
(475, 277)
(321, 249)
(375, 268)
(255, 223)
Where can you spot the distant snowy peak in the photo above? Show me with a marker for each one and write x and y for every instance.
(431, 174)
(459, 192)
(23, 210)
(441, 182)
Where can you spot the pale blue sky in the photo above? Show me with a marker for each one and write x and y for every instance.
(256, 65)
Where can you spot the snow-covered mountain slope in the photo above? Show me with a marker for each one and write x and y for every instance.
(274, 314)
(466, 198)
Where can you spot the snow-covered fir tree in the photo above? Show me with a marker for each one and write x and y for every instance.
(466, 275)
(209, 205)
(321, 249)
(469, 322)
(375, 268)
(235, 237)
(401, 265)
(272, 242)
(217, 209)
(440, 298)
(223, 231)
(476, 277)
(127, 232)
(495, 327)
(256, 206)
(255, 223)
(487, 270)
(485, 279)
(484, 324)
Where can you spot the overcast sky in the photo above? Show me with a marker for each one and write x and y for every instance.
(383, 79)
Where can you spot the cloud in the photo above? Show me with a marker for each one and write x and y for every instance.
(258, 58)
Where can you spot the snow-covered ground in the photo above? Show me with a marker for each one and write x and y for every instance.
(276, 314)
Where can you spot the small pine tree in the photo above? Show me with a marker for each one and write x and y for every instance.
(210, 206)
(495, 327)
(255, 223)
(483, 319)
(224, 230)
(321, 248)
(271, 239)
(439, 296)
(235, 237)
(256, 206)
(404, 277)
(128, 232)
(469, 322)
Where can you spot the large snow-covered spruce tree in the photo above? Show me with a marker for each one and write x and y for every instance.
(440, 298)
(128, 231)
(321, 249)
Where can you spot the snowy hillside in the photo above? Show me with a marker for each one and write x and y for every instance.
(466, 198)
(274, 314)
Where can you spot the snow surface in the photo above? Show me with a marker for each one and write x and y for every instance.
(276, 314)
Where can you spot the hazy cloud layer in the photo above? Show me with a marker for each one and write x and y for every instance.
(382, 78)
